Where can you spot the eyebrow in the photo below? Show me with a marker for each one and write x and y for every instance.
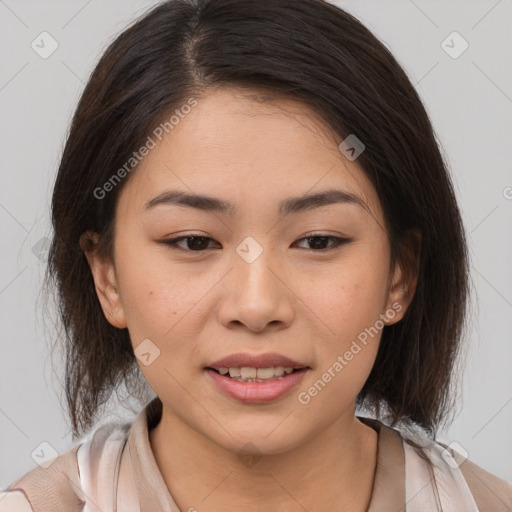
(286, 206)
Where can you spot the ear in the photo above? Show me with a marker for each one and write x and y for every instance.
(105, 280)
(404, 278)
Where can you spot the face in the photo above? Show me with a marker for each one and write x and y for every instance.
(312, 282)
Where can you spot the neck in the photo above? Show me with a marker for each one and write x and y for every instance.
(334, 470)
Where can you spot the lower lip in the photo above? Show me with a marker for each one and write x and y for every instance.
(257, 392)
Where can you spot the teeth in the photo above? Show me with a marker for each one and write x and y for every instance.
(234, 372)
(278, 371)
(248, 374)
(264, 373)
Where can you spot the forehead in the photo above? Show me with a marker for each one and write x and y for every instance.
(249, 150)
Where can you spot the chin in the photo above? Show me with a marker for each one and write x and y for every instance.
(259, 438)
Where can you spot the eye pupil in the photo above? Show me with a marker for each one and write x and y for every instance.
(195, 244)
(313, 241)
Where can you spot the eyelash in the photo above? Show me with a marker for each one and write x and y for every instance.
(338, 241)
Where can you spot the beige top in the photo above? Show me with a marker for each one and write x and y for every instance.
(114, 470)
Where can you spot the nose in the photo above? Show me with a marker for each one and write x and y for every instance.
(257, 294)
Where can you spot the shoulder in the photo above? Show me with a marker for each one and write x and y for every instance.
(43, 485)
(63, 484)
(14, 501)
(489, 491)
(437, 474)
(458, 478)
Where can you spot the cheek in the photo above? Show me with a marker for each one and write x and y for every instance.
(346, 351)
(355, 292)
(161, 314)
(351, 307)
(155, 296)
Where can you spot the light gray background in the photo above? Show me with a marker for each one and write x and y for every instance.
(468, 98)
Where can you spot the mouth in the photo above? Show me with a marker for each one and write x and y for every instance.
(251, 386)
(251, 367)
(252, 374)
(256, 378)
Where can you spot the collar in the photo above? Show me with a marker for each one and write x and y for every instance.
(389, 480)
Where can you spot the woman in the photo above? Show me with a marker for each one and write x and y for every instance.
(252, 210)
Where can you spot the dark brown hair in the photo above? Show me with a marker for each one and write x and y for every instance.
(306, 50)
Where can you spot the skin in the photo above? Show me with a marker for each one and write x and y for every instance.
(294, 299)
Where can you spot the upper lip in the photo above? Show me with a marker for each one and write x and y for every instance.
(255, 361)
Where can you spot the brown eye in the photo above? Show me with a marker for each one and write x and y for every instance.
(192, 243)
(319, 242)
(196, 243)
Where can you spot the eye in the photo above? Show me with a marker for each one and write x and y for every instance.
(193, 243)
(318, 241)
(197, 243)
